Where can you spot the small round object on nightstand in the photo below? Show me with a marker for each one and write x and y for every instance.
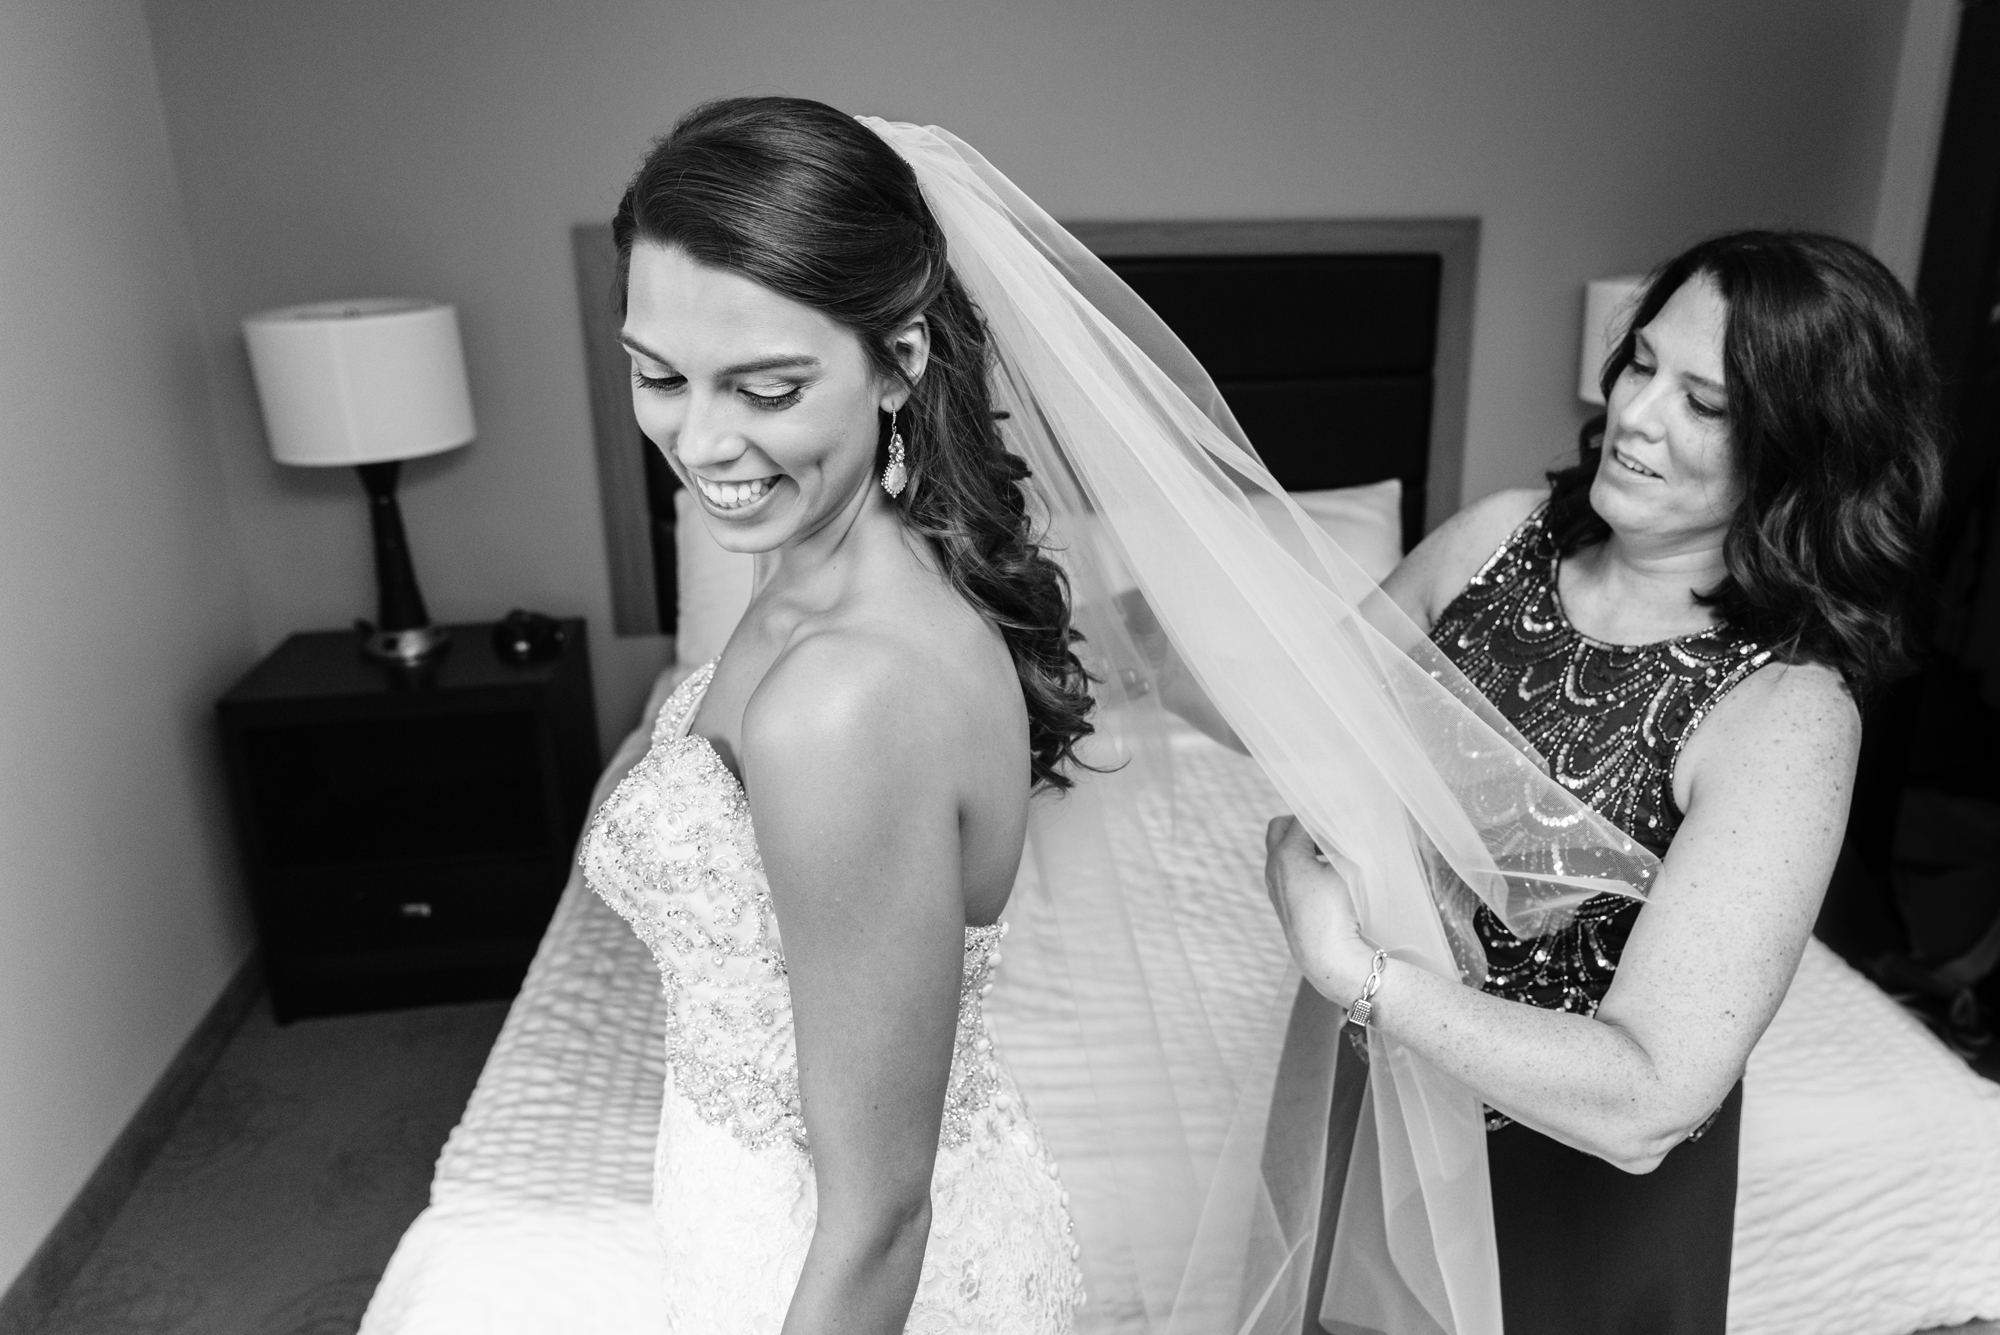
(524, 637)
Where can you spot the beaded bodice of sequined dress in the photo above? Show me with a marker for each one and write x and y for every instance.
(673, 851)
(1609, 719)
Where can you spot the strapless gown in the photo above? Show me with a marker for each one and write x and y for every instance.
(673, 852)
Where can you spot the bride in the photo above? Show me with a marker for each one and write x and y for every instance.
(987, 489)
(819, 846)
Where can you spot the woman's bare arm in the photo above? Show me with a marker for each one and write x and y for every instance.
(1426, 580)
(1710, 959)
(857, 820)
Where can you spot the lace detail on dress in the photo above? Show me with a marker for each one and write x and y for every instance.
(975, 1076)
(673, 851)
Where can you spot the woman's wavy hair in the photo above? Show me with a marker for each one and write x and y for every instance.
(808, 202)
(1833, 424)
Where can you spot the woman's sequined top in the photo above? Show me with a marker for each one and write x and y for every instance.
(1610, 720)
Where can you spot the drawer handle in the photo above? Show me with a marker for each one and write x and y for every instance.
(417, 908)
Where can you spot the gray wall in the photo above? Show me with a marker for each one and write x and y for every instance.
(123, 611)
(354, 146)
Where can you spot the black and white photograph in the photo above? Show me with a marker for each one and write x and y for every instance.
(1021, 667)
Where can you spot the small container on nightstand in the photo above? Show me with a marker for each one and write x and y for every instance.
(406, 833)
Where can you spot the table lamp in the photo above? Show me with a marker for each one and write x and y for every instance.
(368, 384)
(1607, 304)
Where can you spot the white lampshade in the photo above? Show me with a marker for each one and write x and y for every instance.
(360, 382)
(1607, 305)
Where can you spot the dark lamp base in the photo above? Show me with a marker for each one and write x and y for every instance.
(403, 633)
(408, 647)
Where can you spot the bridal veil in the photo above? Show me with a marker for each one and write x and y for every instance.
(1198, 1183)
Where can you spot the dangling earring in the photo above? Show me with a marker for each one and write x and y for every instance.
(896, 475)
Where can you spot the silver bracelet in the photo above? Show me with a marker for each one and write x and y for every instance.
(1364, 1005)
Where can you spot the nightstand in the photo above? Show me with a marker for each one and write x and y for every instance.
(406, 834)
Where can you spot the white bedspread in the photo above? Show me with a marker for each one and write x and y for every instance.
(1869, 1201)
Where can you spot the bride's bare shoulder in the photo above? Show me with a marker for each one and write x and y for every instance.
(1439, 567)
(890, 701)
(831, 686)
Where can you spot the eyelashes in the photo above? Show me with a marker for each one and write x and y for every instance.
(667, 384)
(1708, 412)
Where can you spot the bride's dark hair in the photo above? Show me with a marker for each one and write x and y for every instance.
(810, 203)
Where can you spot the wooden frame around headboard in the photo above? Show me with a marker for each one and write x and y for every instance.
(640, 560)
(621, 447)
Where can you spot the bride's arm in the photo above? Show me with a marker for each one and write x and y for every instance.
(857, 822)
(1707, 964)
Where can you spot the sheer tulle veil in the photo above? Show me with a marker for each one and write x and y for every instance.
(1195, 1164)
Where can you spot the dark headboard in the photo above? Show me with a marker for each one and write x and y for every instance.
(1328, 402)
(1342, 347)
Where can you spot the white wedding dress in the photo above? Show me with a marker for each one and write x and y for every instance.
(673, 851)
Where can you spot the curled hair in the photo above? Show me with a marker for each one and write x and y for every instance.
(814, 206)
(1835, 439)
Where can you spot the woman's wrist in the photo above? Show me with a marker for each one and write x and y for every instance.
(1341, 971)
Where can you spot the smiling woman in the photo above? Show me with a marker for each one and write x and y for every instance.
(1681, 626)
(1821, 459)
(762, 193)
(821, 840)
(1674, 481)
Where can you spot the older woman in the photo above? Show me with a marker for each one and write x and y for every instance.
(1681, 625)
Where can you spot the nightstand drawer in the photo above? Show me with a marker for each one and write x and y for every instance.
(403, 906)
(404, 789)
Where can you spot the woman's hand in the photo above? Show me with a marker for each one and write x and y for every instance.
(1309, 889)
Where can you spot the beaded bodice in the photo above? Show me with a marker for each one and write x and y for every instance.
(1610, 720)
(673, 852)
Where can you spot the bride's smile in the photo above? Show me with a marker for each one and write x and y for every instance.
(734, 498)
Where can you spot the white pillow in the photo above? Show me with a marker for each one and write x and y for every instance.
(1367, 521)
(715, 585)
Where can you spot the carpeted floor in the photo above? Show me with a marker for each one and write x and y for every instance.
(276, 1202)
